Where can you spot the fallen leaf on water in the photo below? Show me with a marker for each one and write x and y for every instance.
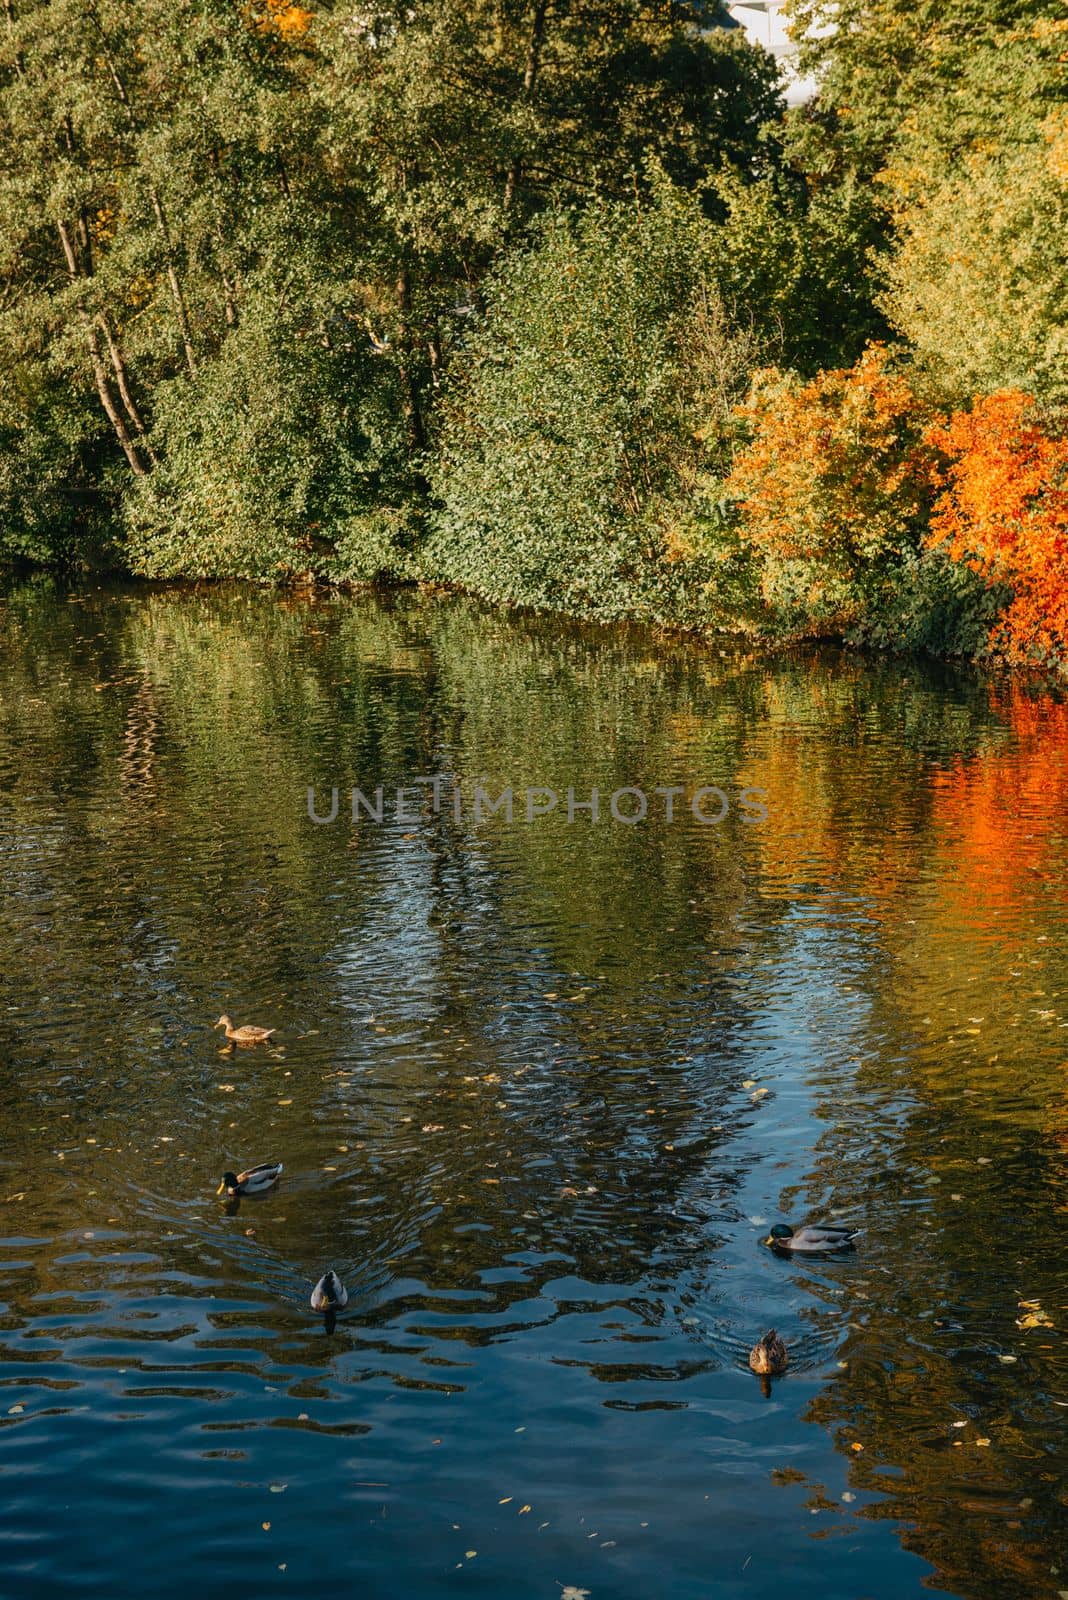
(523, 1509)
(266, 1526)
(1034, 1316)
(469, 1555)
(569, 1592)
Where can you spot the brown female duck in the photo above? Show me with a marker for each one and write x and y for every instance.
(247, 1034)
(768, 1356)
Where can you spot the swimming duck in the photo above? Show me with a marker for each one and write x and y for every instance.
(329, 1293)
(816, 1238)
(768, 1356)
(248, 1033)
(254, 1181)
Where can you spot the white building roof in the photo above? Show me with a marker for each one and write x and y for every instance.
(766, 24)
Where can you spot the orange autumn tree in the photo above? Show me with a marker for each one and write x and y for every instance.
(288, 22)
(833, 488)
(1003, 510)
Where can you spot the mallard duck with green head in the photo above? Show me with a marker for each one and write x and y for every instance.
(253, 1181)
(815, 1238)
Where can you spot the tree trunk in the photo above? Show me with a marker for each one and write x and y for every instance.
(413, 407)
(122, 433)
(103, 388)
(526, 93)
(118, 362)
(157, 206)
(176, 287)
(229, 303)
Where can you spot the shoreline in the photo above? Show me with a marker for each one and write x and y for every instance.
(310, 585)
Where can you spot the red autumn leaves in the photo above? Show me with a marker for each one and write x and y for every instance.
(1003, 508)
(842, 471)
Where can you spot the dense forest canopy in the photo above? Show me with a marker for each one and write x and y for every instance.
(550, 298)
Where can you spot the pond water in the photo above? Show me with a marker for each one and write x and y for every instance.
(540, 1088)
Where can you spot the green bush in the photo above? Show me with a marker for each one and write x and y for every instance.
(281, 448)
(55, 499)
(581, 433)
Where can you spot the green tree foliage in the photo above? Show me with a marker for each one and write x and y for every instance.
(948, 115)
(979, 281)
(471, 290)
(281, 445)
(238, 242)
(590, 416)
(163, 198)
(794, 251)
(930, 78)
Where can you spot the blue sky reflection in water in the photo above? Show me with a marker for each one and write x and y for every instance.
(539, 1090)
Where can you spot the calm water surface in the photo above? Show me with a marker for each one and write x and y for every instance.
(539, 1090)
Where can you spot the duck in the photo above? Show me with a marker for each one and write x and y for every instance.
(329, 1293)
(248, 1033)
(815, 1238)
(254, 1181)
(769, 1356)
